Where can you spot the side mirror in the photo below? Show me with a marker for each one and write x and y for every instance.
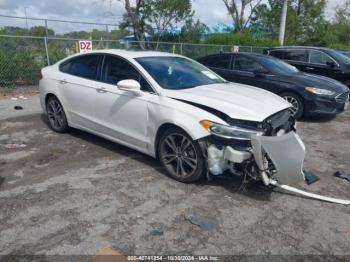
(129, 85)
(331, 64)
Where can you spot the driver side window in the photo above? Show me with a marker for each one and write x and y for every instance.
(318, 57)
(116, 69)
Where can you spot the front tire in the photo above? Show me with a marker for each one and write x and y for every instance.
(56, 116)
(180, 156)
(297, 110)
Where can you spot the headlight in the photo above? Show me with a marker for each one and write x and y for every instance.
(319, 91)
(230, 132)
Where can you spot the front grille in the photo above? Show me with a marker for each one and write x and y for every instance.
(342, 98)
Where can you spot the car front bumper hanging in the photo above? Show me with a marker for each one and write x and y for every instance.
(286, 152)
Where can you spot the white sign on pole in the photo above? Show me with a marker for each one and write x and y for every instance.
(235, 49)
(85, 46)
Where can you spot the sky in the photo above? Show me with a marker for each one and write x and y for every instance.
(211, 12)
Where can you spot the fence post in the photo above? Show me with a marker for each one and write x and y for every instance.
(47, 51)
(107, 38)
(181, 52)
(251, 49)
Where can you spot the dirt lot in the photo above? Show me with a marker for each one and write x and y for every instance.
(77, 194)
(26, 91)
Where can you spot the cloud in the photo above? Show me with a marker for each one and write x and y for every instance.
(211, 12)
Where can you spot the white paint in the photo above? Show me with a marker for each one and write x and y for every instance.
(315, 196)
(133, 119)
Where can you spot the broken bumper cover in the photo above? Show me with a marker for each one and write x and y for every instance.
(287, 153)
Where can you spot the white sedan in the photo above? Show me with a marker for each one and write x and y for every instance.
(173, 108)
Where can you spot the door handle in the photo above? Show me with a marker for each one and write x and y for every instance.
(309, 68)
(63, 82)
(101, 90)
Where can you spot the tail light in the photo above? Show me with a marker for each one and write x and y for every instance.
(40, 76)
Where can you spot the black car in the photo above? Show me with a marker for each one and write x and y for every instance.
(347, 53)
(315, 60)
(309, 94)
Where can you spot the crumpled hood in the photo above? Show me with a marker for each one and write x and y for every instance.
(235, 100)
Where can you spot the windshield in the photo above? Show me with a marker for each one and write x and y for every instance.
(278, 67)
(178, 73)
(340, 57)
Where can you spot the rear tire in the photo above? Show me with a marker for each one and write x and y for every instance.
(56, 116)
(180, 156)
(298, 106)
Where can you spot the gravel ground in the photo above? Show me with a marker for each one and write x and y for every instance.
(77, 194)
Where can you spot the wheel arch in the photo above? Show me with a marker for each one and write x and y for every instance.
(165, 126)
(160, 131)
(293, 92)
(49, 95)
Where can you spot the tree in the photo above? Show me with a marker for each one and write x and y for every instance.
(40, 31)
(239, 10)
(192, 32)
(304, 18)
(156, 16)
(341, 24)
(165, 15)
(135, 17)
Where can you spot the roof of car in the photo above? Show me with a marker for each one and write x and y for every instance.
(239, 53)
(132, 54)
(298, 47)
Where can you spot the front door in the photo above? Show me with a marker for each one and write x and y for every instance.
(123, 115)
(322, 64)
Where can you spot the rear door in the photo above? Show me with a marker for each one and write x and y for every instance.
(298, 58)
(78, 88)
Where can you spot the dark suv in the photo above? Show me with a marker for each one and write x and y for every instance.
(315, 60)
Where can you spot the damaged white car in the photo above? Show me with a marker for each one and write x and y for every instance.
(173, 108)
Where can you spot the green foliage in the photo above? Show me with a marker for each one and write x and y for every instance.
(20, 61)
(244, 38)
(163, 16)
(192, 32)
(40, 31)
(304, 18)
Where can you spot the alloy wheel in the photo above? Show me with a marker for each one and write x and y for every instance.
(294, 110)
(179, 155)
(55, 114)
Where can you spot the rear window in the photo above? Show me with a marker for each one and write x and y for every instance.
(277, 53)
(85, 66)
(219, 61)
(296, 55)
(247, 64)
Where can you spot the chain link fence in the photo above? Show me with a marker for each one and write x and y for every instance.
(27, 25)
(21, 60)
(22, 57)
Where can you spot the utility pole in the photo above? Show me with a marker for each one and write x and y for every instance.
(283, 22)
(25, 12)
